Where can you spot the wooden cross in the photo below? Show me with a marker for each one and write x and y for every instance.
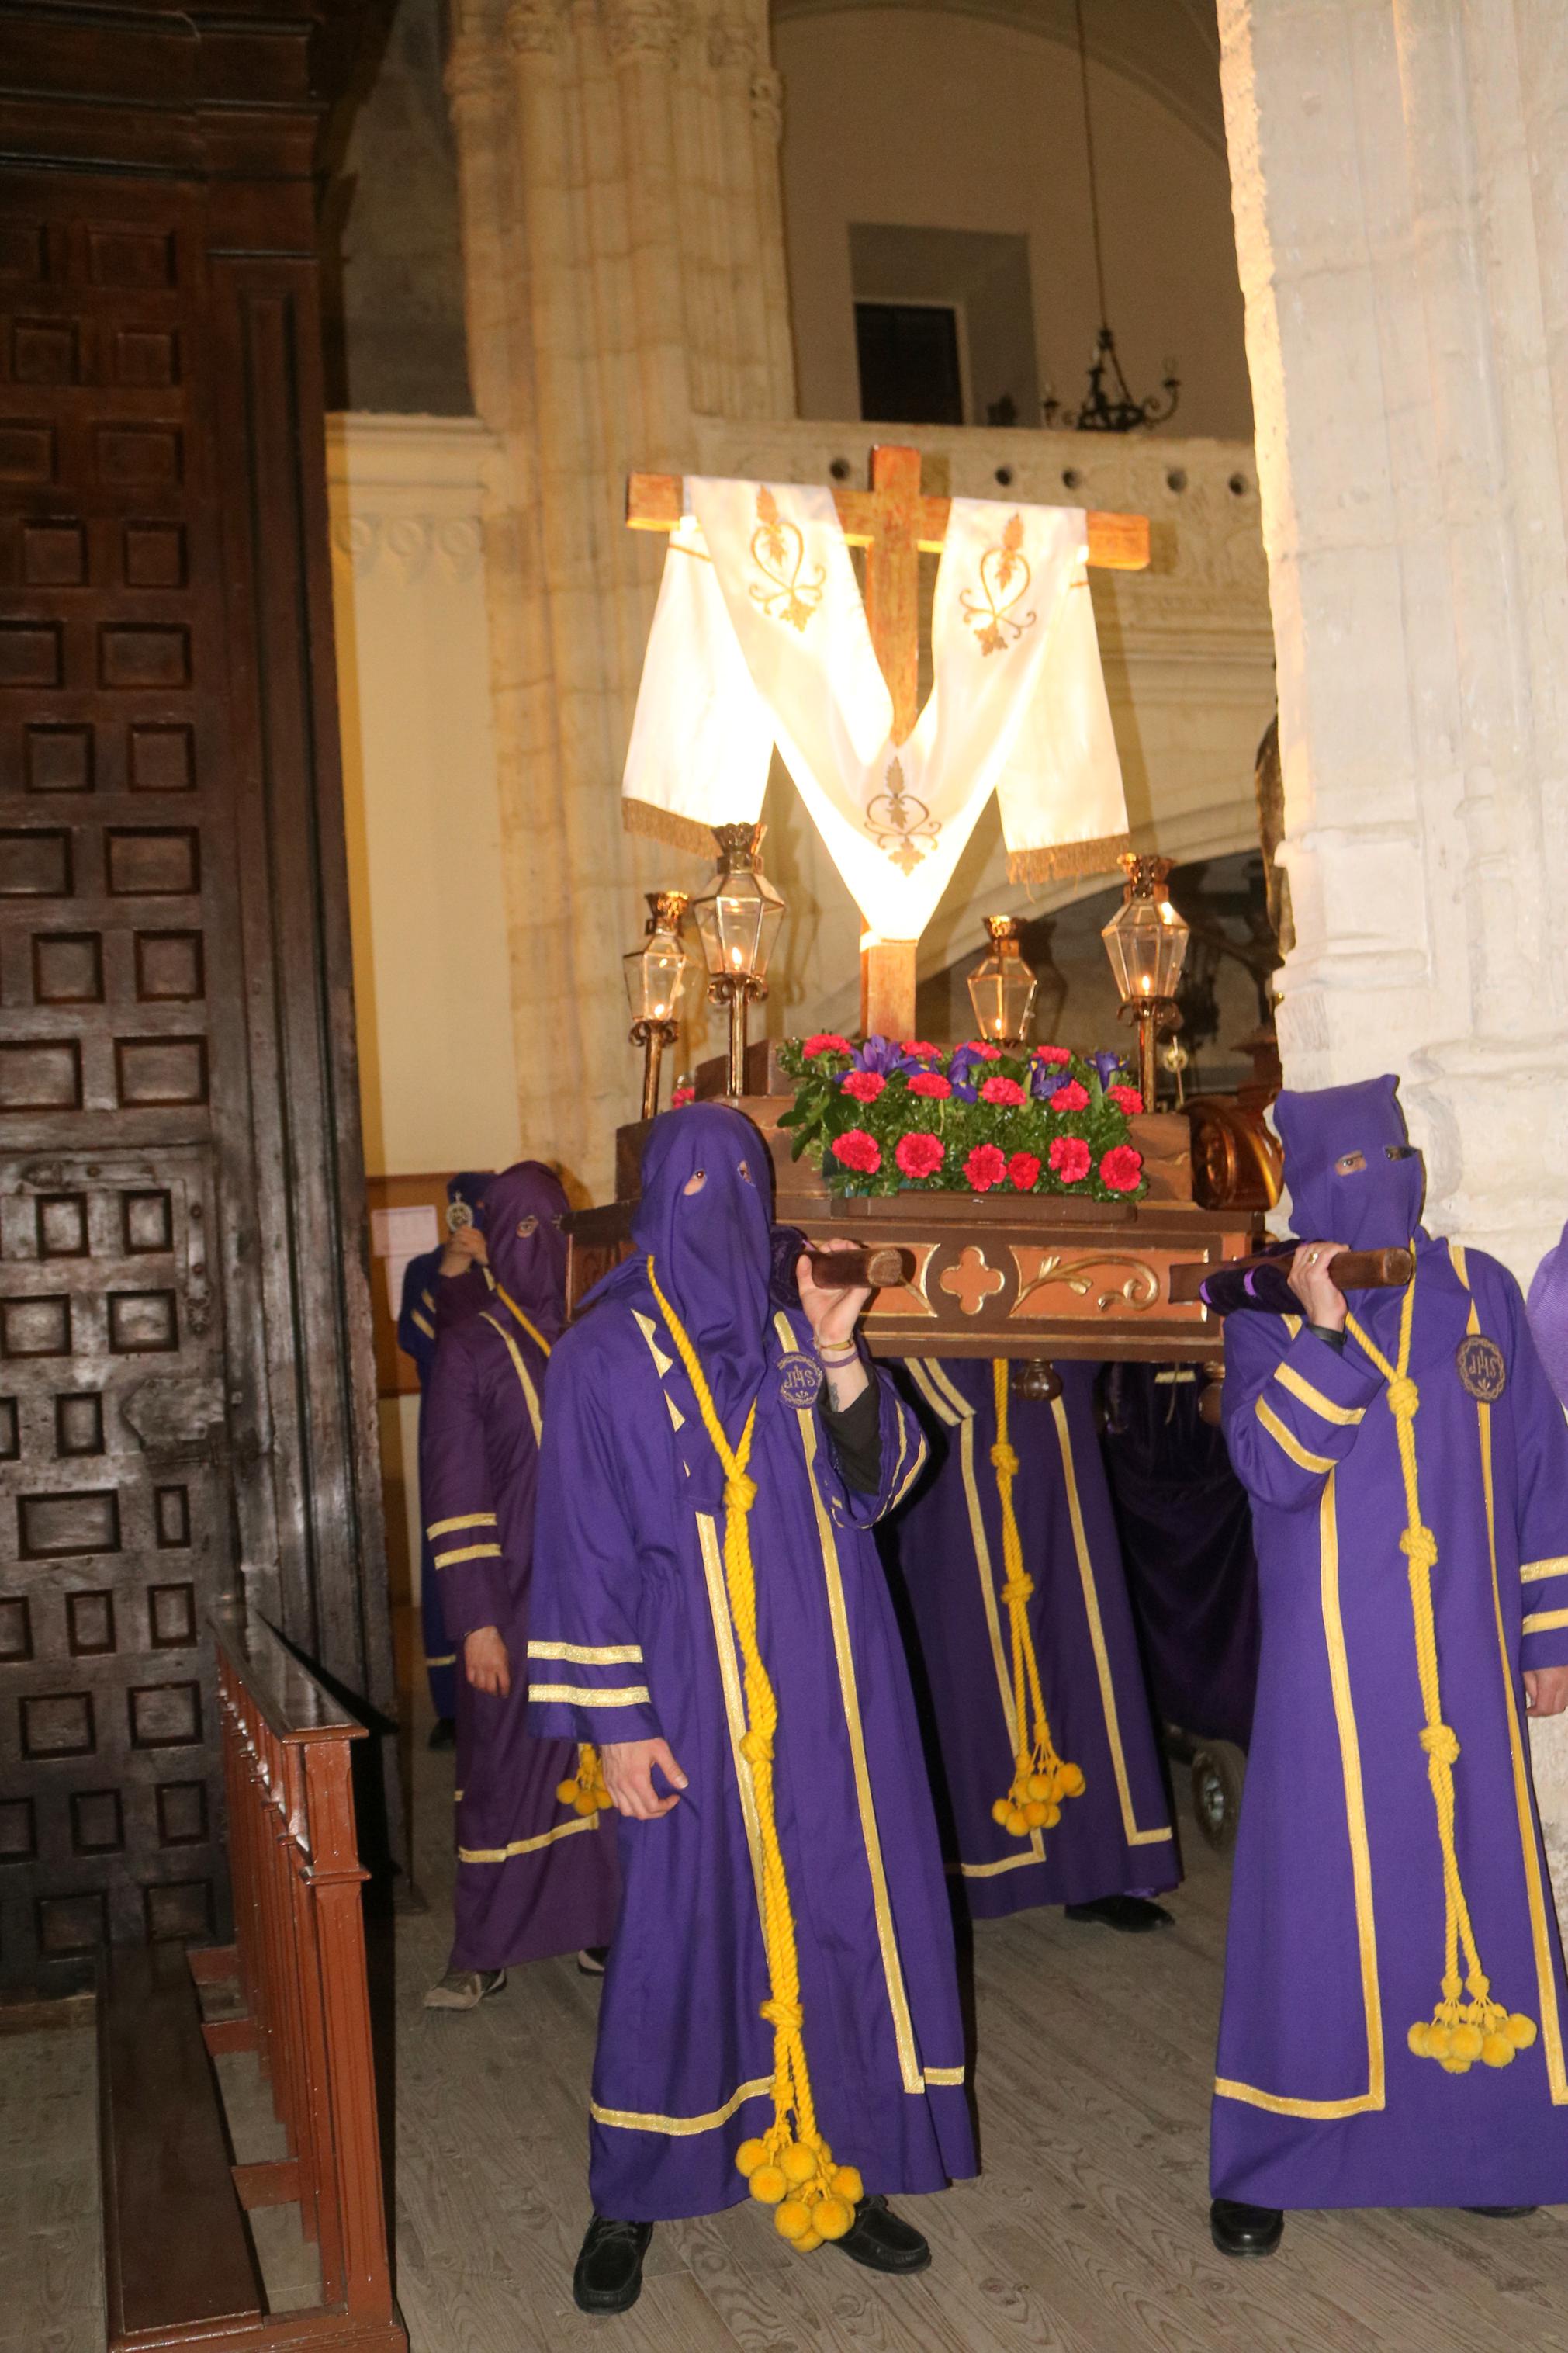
(895, 523)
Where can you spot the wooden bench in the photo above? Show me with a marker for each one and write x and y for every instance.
(179, 2267)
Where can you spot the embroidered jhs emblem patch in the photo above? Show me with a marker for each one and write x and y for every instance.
(1481, 1367)
(800, 1382)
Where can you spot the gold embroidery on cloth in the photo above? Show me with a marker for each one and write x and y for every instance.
(1005, 582)
(792, 591)
(901, 826)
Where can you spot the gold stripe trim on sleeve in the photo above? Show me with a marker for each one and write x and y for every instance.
(1545, 1621)
(1360, 2103)
(464, 1520)
(590, 1654)
(1347, 1416)
(681, 2127)
(1531, 1572)
(1129, 1829)
(1540, 1936)
(582, 1696)
(467, 1552)
(450, 1660)
(423, 1324)
(945, 2075)
(1289, 1445)
(529, 1394)
(527, 1845)
(921, 1378)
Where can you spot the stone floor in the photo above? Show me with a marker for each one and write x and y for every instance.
(1085, 2233)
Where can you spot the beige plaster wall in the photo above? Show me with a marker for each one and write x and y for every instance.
(437, 1067)
(922, 118)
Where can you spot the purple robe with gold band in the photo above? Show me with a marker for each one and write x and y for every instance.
(632, 1639)
(534, 1876)
(945, 1549)
(1327, 2090)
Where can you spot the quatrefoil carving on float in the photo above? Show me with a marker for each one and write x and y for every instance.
(971, 1280)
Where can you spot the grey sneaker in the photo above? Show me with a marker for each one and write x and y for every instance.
(465, 1988)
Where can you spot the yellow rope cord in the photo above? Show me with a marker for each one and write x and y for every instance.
(1040, 1778)
(532, 1330)
(791, 2170)
(1458, 2033)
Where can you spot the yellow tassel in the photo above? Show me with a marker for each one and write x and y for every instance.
(1498, 2050)
(833, 2217)
(586, 1792)
(791, 2167)
(848, 2184)
(1459, 2033)
(1417, 2039)
(1521, 2030)
(1039, 1776)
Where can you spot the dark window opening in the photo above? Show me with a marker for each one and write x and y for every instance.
(909, 362)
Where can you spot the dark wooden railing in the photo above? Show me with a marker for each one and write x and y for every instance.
(179, 2265)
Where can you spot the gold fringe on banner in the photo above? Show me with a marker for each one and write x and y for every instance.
(663, 825)
(1063, 861)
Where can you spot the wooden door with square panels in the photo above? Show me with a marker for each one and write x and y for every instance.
(111, 1475)
(186, 1384)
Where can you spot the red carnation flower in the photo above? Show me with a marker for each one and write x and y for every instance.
(984, 1168)
(1069, 1158)
(826, 1041)
(682, 1095)
(1002, 1091)
(919, 1154)
(864, 1085)
(1055, 1055)
(1023, 1170)
(923, 1051)
(1127, 1098)
(1070, 1097)
(930, 1084)
(858, 1151)
(1122, 1169)
(984, 1050)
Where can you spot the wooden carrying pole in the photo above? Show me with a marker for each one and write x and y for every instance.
(895, 523)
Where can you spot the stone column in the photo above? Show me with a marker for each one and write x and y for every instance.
(1398, 176)
(624, 264)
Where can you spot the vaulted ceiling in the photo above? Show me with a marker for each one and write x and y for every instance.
(1168, 47)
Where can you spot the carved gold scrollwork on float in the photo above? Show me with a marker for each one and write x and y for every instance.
(901, 826)
(794, 591)
(1004, 581)
(1138, 1289)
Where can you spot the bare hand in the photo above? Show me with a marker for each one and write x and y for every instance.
(485, 1662)
(465, 1248)
(629, 1777)
(832, 1314)
(1546, 1691)
(1323, 1301)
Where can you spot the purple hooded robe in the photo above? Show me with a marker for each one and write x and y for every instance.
(632, 1639)
(945, 1549)
(1329, 2090)
(534, 1876)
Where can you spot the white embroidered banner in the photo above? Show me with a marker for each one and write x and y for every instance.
(769, 642)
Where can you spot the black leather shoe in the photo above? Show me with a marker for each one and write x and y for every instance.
(444, 1732)
(877, 2239)
(609, 2277)
(1240, 2230)
(1502, 2214)
(1133, 1916)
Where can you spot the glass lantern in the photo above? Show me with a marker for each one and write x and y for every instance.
(738, 918)
(1003, 987)
(655, 971)
(1146, 942)
(739, 914)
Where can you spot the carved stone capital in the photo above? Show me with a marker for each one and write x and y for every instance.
(474, 69)
(732, 41)
(536, 27)
(767, 102)
(651, 28)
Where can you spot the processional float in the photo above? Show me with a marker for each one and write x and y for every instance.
(761, 638)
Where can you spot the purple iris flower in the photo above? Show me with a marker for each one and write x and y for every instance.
(887, 1057)
(1044, 1081)
(961, 1074)
(1107, 1065)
